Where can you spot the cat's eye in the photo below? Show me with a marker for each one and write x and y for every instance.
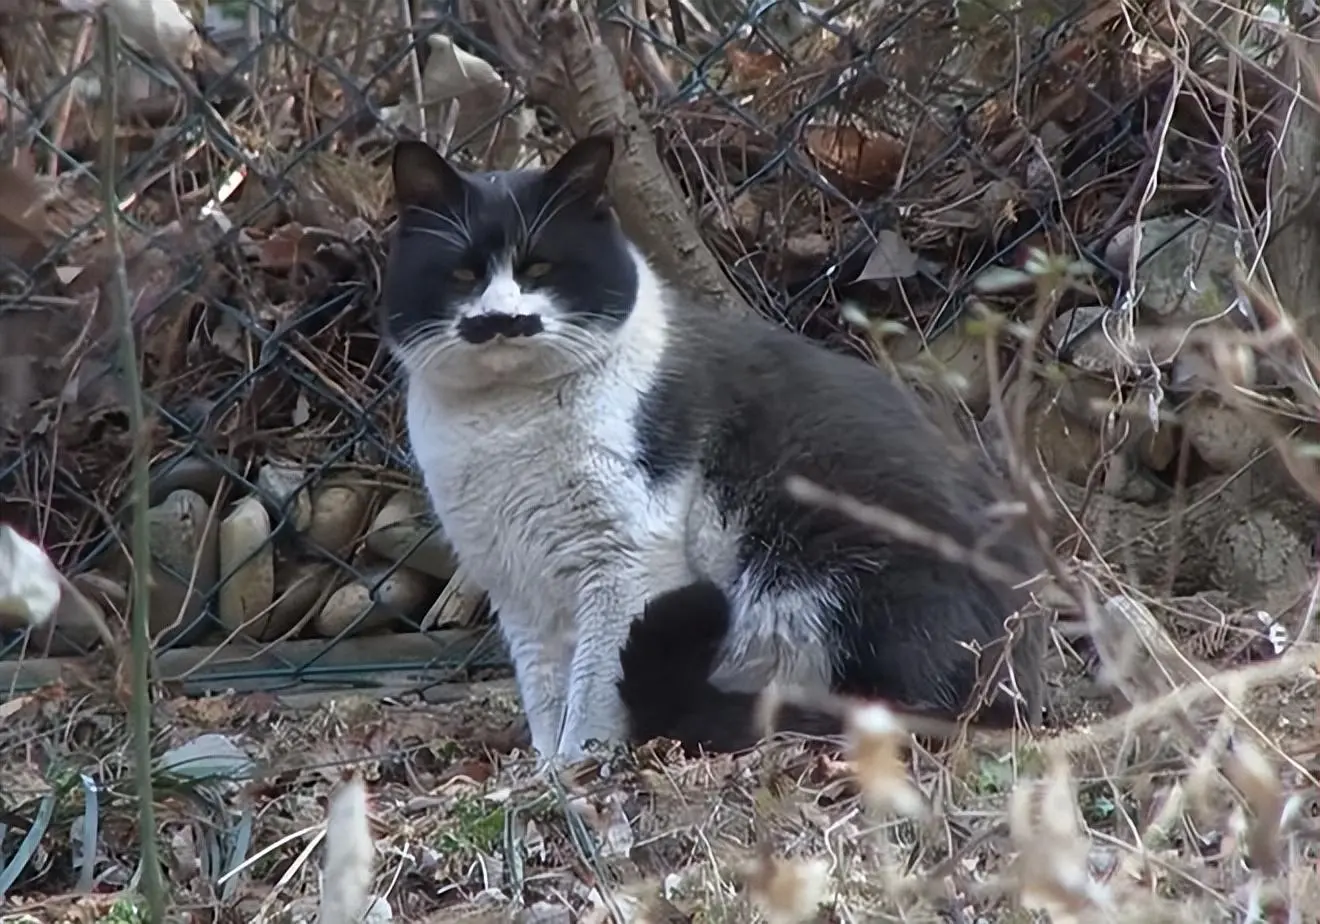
(464, 275)
(537, 270)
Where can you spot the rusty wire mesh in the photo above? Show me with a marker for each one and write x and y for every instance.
(885, 155)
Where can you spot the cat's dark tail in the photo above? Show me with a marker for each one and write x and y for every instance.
(667, 663)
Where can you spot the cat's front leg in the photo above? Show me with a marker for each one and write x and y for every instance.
(541, 660)
(595, 710)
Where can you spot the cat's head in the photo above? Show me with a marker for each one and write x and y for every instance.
(516, 276)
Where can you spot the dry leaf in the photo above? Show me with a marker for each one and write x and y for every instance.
(302, 410)
(284, 249)
(870, 161)
(465, 99)
(751, 67)
(618, 835)
(1136, 653)
(452, 72)
(892, 258)
(25, 232)
(349, 856)
(13, 706)
(158, 27)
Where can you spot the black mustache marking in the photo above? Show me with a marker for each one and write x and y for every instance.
(484, 327)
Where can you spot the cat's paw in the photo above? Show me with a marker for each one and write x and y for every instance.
(570, 753)
(600, 734)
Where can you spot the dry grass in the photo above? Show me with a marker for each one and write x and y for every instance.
(1194, 813)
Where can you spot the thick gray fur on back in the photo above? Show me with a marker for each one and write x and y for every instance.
(590, 441)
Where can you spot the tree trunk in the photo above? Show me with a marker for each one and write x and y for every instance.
(572, 72)
(1293, 253)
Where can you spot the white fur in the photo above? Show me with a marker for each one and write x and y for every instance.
(776, 638)
(527, 448)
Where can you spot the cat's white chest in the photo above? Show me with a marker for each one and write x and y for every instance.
(537, 490)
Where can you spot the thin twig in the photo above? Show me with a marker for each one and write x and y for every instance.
(415, 68)
(153, 886)
(903, 529)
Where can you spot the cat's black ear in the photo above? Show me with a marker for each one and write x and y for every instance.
(583, 170)
(422, 177)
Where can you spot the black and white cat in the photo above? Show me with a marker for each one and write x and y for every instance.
(590, 441)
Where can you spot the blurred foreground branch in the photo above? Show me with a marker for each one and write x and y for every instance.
(140, 539)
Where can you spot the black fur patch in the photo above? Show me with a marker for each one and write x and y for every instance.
(665, 687)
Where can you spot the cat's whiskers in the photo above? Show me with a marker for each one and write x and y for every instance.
(582, 349)
(579, 318)
(524, 233)
(426, 345)
(433, 345)
(425, 357)
(448, 237)
(555, 203)
(461, 229)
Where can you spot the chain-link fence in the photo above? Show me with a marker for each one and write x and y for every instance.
(892, 160)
